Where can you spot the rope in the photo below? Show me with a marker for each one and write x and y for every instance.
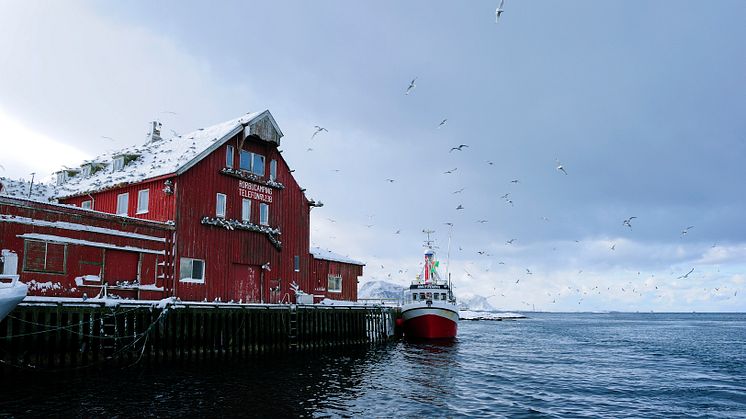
(145, 334)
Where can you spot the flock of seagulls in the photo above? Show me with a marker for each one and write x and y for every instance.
(506, 197)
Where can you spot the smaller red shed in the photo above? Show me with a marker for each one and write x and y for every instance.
(334, 276)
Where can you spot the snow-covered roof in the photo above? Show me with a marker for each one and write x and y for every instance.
(157, 158)
(20, 189)
(319, 253)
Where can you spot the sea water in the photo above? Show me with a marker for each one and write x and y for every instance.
(611, 365)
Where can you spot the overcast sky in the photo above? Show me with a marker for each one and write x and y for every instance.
(641, 102)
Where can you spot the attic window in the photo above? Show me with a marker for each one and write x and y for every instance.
(64, 175)
(61, 177)
(118, 164)
(89, 169)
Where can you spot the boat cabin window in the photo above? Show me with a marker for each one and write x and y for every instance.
(436, 296)
(429, 296)
(414, 297)
(422, 296)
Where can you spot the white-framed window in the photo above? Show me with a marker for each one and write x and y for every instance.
(143, 196)
(192, 270)
(296, 263)
(257, 164)
(220, 204)
(334, 283)
(229, 156)
(263, 214)
(118, 164)
(273, 170)
(86, 204)
(251, 162)
(123, 201)
(246, 210)
(244, 161)
(86, 170)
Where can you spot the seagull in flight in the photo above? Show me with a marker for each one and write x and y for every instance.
(459, 207)
(459, 191)
(505, 196)
(390, 180)
(560, 167)
(499, 10)
(318, 130)
(528, 272)
(686, 275)
(411, 86)
(442, 123)
(514, 181)
(613, 246)
(459, 148)
(628, 222)
(686, 230)
(510, 241)
(481, 221)
(448, 172)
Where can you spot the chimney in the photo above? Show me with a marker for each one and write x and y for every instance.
(155, 133)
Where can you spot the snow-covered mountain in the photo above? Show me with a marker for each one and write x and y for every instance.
(380, 289)
(473, 303)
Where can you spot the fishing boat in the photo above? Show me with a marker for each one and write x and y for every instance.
(11, 293)
(429, 308)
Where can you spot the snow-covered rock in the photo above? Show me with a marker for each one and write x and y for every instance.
(380, 290)
(484, 315)
(473, 302)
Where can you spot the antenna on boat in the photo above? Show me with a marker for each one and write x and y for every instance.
(428, 242)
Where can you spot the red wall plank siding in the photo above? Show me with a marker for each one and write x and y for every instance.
(221, 248)
(349, 273)
(69, 229)
(161, 206)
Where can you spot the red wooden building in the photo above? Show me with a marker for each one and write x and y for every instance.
(234, 221)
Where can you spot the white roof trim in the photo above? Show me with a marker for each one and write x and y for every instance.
(68, 240)
(76, 227)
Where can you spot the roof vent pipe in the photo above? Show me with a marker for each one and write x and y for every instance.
(155, 133)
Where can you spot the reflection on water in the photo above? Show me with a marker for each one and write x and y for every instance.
(548, 366)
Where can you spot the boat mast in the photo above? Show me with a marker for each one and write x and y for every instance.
(448, 253)
(428, 245)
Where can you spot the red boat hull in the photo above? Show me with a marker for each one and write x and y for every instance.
(430, 326)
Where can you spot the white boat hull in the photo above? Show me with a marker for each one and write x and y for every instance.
(10, 295)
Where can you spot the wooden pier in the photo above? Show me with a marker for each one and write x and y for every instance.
(65, 335)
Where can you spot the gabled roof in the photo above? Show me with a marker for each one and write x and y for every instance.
(42, 192)
(168, 156)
